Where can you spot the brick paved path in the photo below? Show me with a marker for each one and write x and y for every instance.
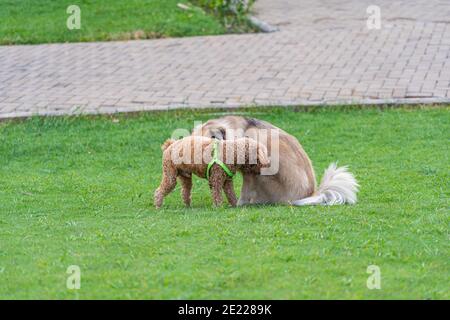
(323, 53)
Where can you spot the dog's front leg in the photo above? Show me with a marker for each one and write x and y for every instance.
(216, 181)
(229, 192)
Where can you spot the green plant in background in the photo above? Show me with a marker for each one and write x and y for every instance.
(232, 12)
(226, 7)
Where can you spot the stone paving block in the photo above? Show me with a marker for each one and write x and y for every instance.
(323, 54)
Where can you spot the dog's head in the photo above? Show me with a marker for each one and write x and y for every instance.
(211, 129)
(225, 128)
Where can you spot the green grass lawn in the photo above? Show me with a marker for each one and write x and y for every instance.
(43, 21)
(78, 191)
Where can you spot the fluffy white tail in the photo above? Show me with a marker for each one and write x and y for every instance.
(338, 186)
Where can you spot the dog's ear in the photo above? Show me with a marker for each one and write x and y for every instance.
(218, 133)
(224, 133)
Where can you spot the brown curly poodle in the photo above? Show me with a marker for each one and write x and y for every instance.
(191, 155)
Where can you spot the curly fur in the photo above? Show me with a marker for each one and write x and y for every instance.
(191, 155)
(167, 144)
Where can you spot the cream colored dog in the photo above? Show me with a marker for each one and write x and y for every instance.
(294, 182)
